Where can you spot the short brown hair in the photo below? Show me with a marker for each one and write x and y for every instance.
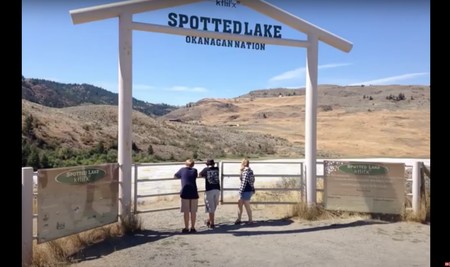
(189, 162)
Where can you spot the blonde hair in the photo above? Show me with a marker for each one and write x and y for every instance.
(189, 163)
(244, 163)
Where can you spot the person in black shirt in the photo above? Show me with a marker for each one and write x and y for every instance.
(212, 190)
(188, 194)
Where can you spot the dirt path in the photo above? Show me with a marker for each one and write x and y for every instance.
(271, 241)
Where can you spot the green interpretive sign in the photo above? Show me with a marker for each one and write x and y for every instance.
(365, 187)
(76, 199)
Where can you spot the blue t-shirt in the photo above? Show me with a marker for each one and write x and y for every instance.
(211, 175)
(188, 178)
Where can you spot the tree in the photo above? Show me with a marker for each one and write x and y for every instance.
(26, 150)
(134, 147)
(100, 148)
(27, 129)
(33, 159)
(150, 150)
(44, 161)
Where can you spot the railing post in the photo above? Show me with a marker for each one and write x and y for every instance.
(27, 216)
(416, 187)
(312, 54)
(221, 181)
(135, 183)
(125, 114)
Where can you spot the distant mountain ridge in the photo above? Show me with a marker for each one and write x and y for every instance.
(60, 95)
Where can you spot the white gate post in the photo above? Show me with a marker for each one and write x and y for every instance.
(125, 113)
(416, 187)
(312, 54)
(27, 216)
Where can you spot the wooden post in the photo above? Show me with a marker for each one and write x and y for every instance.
(125, 114)
(416, 188)
(311, 118)
(27, 216)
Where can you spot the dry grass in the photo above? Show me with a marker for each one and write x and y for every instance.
(58, 252)
(402, 127)
(131, 223)
(424, 213)
(299, 210)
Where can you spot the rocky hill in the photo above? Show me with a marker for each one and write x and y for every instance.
(60, 95)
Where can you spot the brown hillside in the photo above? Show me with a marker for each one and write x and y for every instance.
(83, 127)
(371, 121)
(351, 122)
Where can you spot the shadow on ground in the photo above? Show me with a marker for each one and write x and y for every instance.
(111, 245)
(228, 228)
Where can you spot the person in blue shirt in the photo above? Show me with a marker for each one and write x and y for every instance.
(188, 194)
(212, 190)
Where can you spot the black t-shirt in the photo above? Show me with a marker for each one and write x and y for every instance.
(211, 175)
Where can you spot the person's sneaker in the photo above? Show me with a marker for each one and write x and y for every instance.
(212, 226)
(237, 222)
(193, 230)
(185, 230)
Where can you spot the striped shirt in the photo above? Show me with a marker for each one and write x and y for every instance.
(247, 180)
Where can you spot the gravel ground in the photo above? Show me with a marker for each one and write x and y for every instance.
(271, 241)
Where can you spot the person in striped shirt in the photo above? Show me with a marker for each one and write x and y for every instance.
(246, 190)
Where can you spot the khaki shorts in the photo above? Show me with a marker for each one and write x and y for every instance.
(189, 205)
(211, 200)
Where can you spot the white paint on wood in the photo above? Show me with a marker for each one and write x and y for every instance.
(27, 216)
(112, 10)
(125, 112)
(416, 187)
(312, 55)
(298, 23)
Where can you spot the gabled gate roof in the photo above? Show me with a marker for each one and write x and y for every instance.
(138, 6)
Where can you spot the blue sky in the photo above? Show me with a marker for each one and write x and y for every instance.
(391, 45)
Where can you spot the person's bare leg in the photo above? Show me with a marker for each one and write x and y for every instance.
(240, 204)
(193, 218)
(248, 209)
(186, 220)
(211, 218)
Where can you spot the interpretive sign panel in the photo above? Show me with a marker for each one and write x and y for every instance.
(75, 199)
(365, 186)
